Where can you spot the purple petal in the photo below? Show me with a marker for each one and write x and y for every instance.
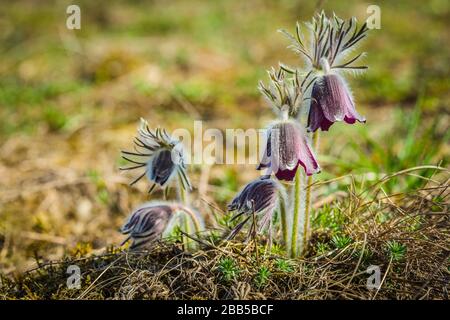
(316, 118)
(286, 141)
(147, 223)
(261, 193)
(286, 175)
(290, 148)
(310, 168)
(161, 167)
(351, 115)
(265, 161)
(327, 92)
(331, 101)
(307, 158)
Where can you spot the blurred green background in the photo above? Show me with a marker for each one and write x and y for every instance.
(71, 99)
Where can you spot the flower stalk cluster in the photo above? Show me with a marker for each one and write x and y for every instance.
(162, 159)
(319, 88)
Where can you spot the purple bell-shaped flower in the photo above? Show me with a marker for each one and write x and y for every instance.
(287, 148)
(331, 101)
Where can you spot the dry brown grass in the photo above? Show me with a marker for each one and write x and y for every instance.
(417, 220)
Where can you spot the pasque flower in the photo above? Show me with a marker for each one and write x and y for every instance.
(159, 155)
(260, 197)
(147, 224)
(326, 54)
(287, 145)
(331, 101)
(287, 148)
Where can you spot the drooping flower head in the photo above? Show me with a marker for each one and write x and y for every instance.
(259, 196)
(150, 221)
(159, 155)
(332, 41)
(147, 224)
(287, 144)
(288, 148)
(331, 101)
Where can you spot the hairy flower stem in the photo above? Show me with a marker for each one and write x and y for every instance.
(284, 220)
(191, 216)
(183, 198)
(297, 206)
(306, 228)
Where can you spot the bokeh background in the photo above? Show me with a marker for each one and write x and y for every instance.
(70, 100)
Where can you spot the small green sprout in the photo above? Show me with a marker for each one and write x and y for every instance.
(228, 269)
(214, 236)
(225, 220)
(277, 250)
(396, 250)
(322, 248)
(341, 241)
(284, 265)
(366, 254)
(329, 218)
(175, 234)
(262, 276)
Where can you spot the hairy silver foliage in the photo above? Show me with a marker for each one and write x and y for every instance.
(331, 38)
(286, 88)
(160, 155)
